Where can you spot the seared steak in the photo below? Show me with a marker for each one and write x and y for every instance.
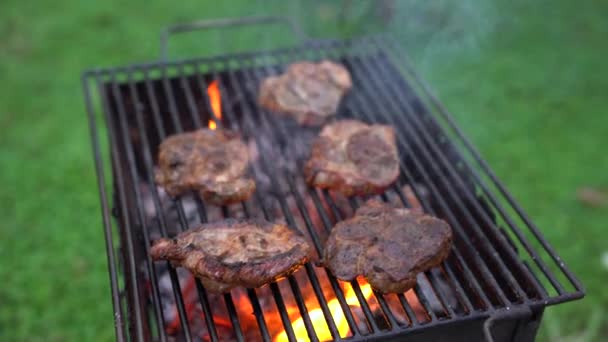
(308, 92)
(353, 158)
(232, 253)
(389, 246)
(213, 162)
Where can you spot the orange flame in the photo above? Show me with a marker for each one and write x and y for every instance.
(215, 99)
(318, 319)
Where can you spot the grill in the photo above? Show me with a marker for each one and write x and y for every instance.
(494, 286)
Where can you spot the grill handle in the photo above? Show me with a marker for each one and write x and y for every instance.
(225, 22)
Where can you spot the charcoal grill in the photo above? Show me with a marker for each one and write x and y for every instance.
(500, 275)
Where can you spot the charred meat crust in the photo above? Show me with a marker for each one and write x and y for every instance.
(308, 92)
(388, 246)
(212, 162)
(233, 252)
(353, 158)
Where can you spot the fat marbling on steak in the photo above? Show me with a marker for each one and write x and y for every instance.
(308, 92)
(212, 162)
(353, 158)
(389, 246)
(231, 253)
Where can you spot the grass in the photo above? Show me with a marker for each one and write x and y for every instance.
(527, 82)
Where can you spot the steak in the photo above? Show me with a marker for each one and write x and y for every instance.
(389, 246)
(231, 253)
(212, 162)
(308, 92)
(353, 158)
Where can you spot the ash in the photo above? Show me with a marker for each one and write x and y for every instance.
(279, 155)
(160, 209)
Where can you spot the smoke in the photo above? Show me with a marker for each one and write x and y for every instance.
(439, 31)
(429, 29)
(432, 32)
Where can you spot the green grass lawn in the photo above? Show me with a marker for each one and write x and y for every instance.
(527, 83)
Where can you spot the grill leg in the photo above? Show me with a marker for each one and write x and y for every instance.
(527, 329)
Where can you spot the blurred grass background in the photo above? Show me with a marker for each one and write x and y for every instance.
(527, 82)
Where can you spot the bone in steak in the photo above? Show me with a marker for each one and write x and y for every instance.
(389, 246)
(308, 92)
(353, 158)
(231, 253)
(213, 162)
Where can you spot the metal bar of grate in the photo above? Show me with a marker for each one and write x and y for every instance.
(257, 309)
(169, 95)
(234, 318)
(408, 310)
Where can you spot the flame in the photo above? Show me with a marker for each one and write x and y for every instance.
(215, 99)
(318, 319)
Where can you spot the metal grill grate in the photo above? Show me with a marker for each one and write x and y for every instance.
(500, 263)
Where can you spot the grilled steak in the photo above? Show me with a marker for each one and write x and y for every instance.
(308, 92)
(389, 246)
(213, 162)
(353, 158)
(232, 253)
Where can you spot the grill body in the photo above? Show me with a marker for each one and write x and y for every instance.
(500, 275)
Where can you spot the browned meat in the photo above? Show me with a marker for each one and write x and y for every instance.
(213, 162)
(353, 158)
(232, 253)
(308, 92)
(387, 245)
